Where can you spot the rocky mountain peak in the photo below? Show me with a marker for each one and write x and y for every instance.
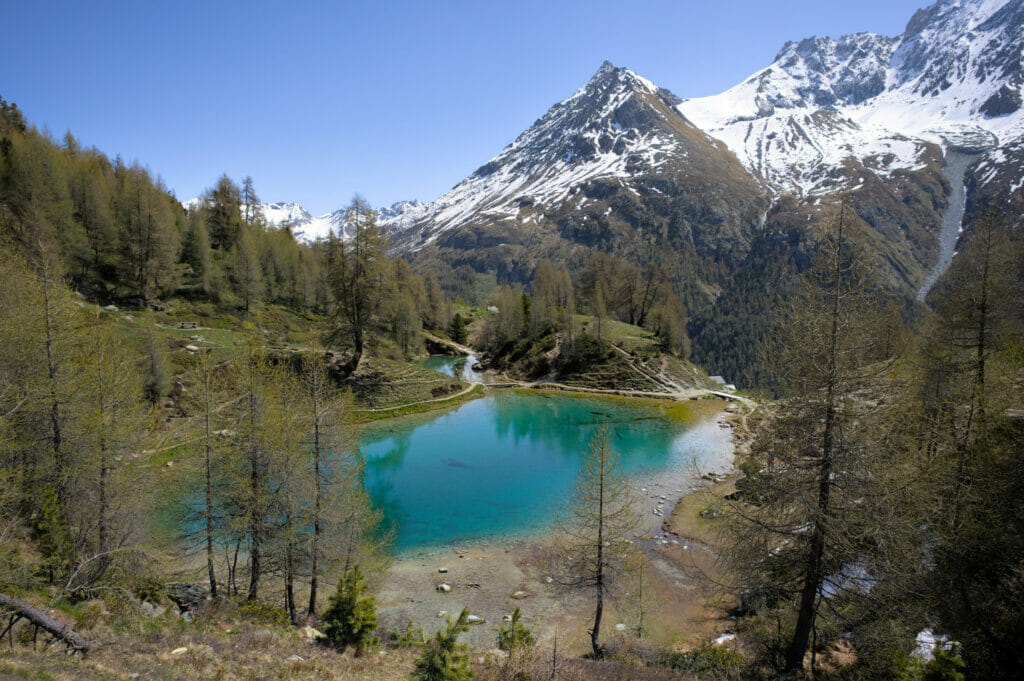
(849, 70)
(960, 43)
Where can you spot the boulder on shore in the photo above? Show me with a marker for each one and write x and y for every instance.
(187, 596)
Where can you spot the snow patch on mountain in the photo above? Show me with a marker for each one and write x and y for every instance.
(953, 78)
(601, 131)
(307, 227)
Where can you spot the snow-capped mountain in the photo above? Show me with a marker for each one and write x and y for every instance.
(618, 135)
(307, 227)
(953, 78)
(825, 115)
(304, 225)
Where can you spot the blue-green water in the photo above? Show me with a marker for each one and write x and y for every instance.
(501, 466)
(461, 367)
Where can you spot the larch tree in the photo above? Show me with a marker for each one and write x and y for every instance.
(207, 380)
(247, 269)
(804, 528)
(595, 531)
(964, 427)
(223, 207)
(358, 274)
(250, 202)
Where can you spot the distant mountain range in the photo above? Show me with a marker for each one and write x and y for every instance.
(722, 190)
(801, 126)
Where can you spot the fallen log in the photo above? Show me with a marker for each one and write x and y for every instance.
(73, 641)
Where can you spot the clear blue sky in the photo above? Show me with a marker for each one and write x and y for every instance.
(391, 99)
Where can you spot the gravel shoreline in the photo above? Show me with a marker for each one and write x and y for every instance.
(493, 576)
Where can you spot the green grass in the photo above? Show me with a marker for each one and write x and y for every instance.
(627, 336)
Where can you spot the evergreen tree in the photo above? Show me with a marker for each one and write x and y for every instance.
(223, 206)
(250, 202)
(832, 476)
(246, 268)
(443, 657)
(457, 330)
(517, 642)
(350, 616)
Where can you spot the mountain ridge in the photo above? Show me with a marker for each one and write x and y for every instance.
(952, 79)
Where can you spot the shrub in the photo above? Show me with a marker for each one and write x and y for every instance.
(444, 658)
(706, 660)
(514, 636)
(261, 612)
(947, 665)
(516, 640)
(351, 617)
(408, 638)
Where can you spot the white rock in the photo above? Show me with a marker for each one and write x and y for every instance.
(442, 570)
(177, 652)
(444, 588)
(620, 627)
(473, 619)
(442, 613)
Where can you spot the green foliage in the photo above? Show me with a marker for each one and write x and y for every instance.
(586, 353)
(457, 330)
(350, 616)
(410, 637)
(52, 534)
(444, 658)
(89, 615)
(514, 635)
(947, 665)
(262, 612)
(706, 660)
(156, 371)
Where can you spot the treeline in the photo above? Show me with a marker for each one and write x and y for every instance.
(263, 451)
(606, 288)
(884, 497)
(118, 235)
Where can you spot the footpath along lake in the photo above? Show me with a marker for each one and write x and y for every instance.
(501, 467)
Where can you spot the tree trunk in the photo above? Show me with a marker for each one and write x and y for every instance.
(813, 573)
(208, 509)
(315, 553)
(289, 573)
(51, 373)
(255, 480)
(74, 641)
(595, 633)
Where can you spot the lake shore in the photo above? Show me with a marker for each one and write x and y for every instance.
(491, 577)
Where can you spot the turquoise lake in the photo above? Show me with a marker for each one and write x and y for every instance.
(501, 466)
